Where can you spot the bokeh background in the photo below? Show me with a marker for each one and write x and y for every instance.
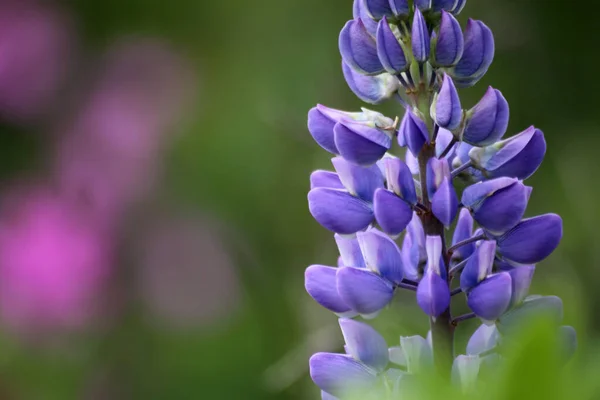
(154, 164)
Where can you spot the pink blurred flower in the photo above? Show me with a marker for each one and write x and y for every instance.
(53, 262)
(35, 50)
(112, 151)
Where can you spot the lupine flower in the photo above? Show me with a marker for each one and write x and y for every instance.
(375, 200)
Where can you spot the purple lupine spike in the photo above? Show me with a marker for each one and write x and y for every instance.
(400, 7)
(463, 231)
(498, 204)
(444, 203)
(320, 178)
(478, 266)
(339, 211)
(359, 11)
(420, 37)
(321, 284)
(414, 132)
(447, 110)
(437, 171)
(391, 212)
(389, 50)
(491, 298)
(349, 251)
(488, 120)
(370, 89)
(532, 240)
(521, 280)
(359, 181)
(381, 254)
(400, 180)
(518, 156)
(361, 143)
(362, 290)
(477, 56)
(378, 9)
(358, 48)
(485, 338)
(340, 374)
(449, 45)
(365, 344)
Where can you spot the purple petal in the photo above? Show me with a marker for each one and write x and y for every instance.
(410, 259)
(381, 254)
(338, 374)
(479, 266)
(364, 291)
(365, 344)
(423, 4)
(433, 294)
(491, 298)
(503, 209)
(378, 8)
(442, 141)
(400, 180)
(532, 240)
(488, 120)
(414, 131)
(359, 181)
(327, 179)
(349, 251)
(400, 7)
(320, 126)
(390, 52)
(475, 194)
(358, 48)
(339, 211)
(437, 171)
(521, 280)
(359, 143)
(370, 89)
(448, 111)
(321, 284)
(391, 212)
(433, 247)
(359, 11)
(450, 43)
(478, 50)
(483, 339)
(463, 231)
(420, 37)
(444, 203)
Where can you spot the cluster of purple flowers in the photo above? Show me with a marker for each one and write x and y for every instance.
(416, 52)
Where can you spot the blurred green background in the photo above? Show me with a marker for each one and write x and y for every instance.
(241, 158)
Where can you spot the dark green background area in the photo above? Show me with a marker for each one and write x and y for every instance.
(246, 157)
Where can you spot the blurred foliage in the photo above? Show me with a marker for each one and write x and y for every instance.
(244, 155)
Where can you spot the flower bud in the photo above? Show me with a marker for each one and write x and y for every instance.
(320, 283)
(364, 344)
(370, 89)
(491, 298)
(359, 11)
(339, 211)
(447, 111)
(479, 266)
(359, 181)
(420, 37)
(532, 240)
(498, 204)
(328, 179)
(444, 203)
(518, 156)
(413, 132)
(362, 290)
(449, 45)
(391, 212)
(485, 338)
(358, 48)
(463, 231)
(487, 121)
(477, 56)
(381, 254)
(389, 50)
(400, 180)
(521, 280)
(350, 252)
(548, 307)
(433, 294)
(361, 143)
(444, 137)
